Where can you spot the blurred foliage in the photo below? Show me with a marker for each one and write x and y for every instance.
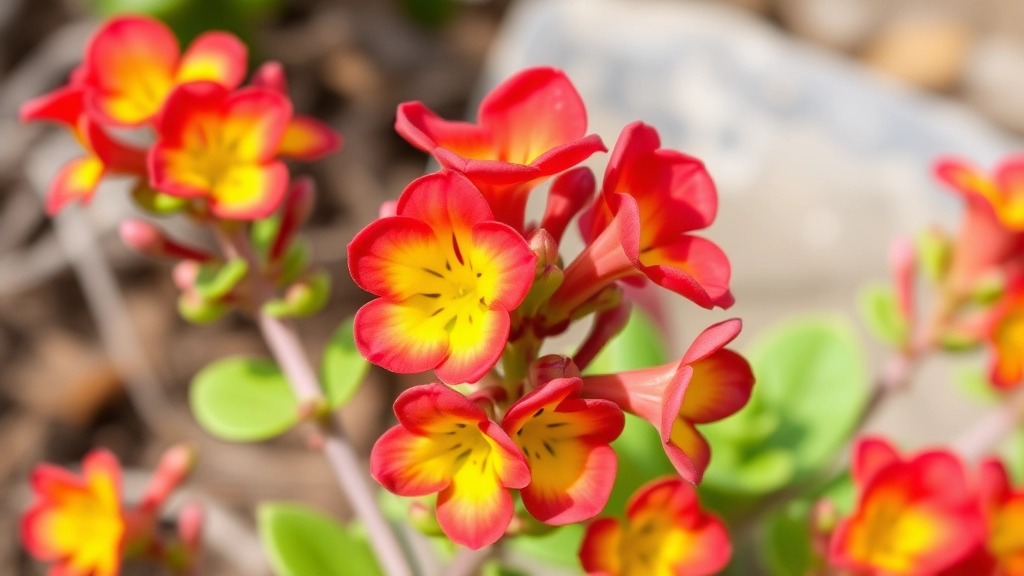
(881, 314)
(811, 389)
(429, 13)
(304, 542)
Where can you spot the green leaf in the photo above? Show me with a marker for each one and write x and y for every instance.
(934, 252)
(881, 314)
(786, 546)
(304, 298)
(811, 373)
(304, 542)
(243, 399)
(215, 281)
(495, 568)
(558, 548)
(811, 387)
(263, 232)
(342, 368)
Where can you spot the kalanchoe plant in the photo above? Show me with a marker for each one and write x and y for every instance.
(514, 442)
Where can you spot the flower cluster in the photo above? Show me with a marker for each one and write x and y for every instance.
(217, 145)
(463, 282)
(216, 157)
(925, 514)
(81, 525)
(978, 273)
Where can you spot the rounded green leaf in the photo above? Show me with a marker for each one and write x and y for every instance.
(811, 374)
(304, 542)
(243, 399)
(786, 546)
(342, 368)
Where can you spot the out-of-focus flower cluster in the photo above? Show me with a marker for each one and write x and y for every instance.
(977, 273)
(464, 283)
(214, 152)
(82, 525)
(928, 514)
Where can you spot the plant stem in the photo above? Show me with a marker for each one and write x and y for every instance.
(466, 561)
(981, 438)
(283, 341)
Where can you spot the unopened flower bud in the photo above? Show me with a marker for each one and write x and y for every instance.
(145, 238)
(545, 247)
(388, 208)
(934, 249)
(570, 192)
(298, 205)
(303, 298)
(551, 367)
(199, 310)
(174, 466)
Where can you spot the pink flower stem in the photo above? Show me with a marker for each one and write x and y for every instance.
(283, 341)
(984, 436)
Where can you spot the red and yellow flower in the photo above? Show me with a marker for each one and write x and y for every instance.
(305, 138)
(532, 126)
(222, 146)
(78, 179)
(665, 532)
(710, 383)
(447, 276)
(566, 442)
(992, 231)
(914, 515)
(1004, 511)
(445, 444)
(76, 521)
(640, 227)
(1005, 335)
(133, 64)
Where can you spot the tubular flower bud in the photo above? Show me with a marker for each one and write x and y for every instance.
(531, 127)
(76, 522)
(913, 516)
(445, 444)
(566, 442)
(133, 64)
(665, 532)
(447, 275)
(145, 238)
(710, 383)
(222, 146)
(651, 199)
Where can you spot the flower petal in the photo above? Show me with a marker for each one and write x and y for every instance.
(427, 131)
(712, 339)
(308, 139)
(250, 192)
(690, 266)
(476, 340)
(255, 120)
(410, 465)
(474, 510)
(532, 112)
(399, 337)
(64, 105)
(599, 553)
(130, 64)
(76, 181)
(720, 386)
(504, 264)
(215, 56)
(870, 455)
(447, 202)
(270, 75)
(393, 257)
(687, 449)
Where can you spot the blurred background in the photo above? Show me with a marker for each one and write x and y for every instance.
(819, 120)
